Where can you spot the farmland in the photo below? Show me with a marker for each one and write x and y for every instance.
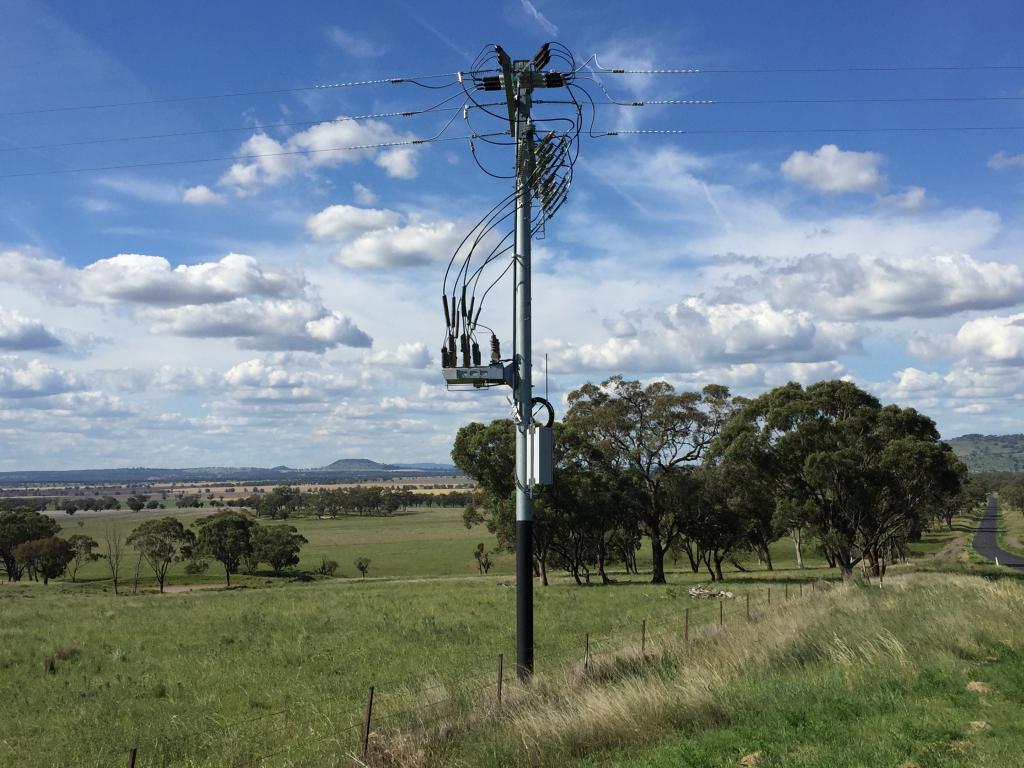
(275, 671)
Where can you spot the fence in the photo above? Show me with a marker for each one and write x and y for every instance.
(351, 733)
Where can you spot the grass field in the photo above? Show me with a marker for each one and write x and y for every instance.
(1011, 529)
(275, 671)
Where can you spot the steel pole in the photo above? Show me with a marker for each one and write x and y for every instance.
(524, 384)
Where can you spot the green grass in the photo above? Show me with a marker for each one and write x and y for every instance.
(1011, 529)
(275, 672)
(857, 677)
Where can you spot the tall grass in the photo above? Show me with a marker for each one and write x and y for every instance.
(920, 632)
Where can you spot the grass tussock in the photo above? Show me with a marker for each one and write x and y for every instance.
(913, 634)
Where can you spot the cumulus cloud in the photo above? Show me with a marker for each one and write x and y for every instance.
(858, 286)
(339, 222)
(283, 324)
(992, 339)
(831, 169)
(1002, 160)
(265, 161)
(202, 195)
(19, 333)
(363, 194)
(35, 379)
(415, 355)
(694, 333)
(412, 244)
(260, 380)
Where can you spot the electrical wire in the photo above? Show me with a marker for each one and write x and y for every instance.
(804, 70)
(885, 129)
(415, 80)
(436, 108)
(283, 153)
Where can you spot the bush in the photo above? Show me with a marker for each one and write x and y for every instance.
(327, 567)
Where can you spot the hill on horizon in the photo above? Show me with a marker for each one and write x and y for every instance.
(990, 453)
(354, 464)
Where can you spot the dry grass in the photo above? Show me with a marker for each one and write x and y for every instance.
(626, 700)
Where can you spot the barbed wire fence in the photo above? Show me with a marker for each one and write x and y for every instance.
(403, 706)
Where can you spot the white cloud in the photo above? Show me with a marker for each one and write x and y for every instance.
(830, 169)
(148, 190)
(415, 355)
(411, 244)
(997, 340)
(323, 145)
(260, 380)
(202, 195)
(36, 379)
(540, 18)
(356, 46)
(21, 333)
(339, 222)
(693, 333)
(363, 194)
(283, 324)
(1002, 160)
(856, 286)
(911, 199)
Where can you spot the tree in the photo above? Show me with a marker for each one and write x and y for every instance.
(82, 547)
(649, 433)
(226, 537)
(113, 553)
(483, 559)
(137, 502)
(277, 545)
(160, 541)
(17, 527)
(47, 557)
(865, 478)
(362, 565)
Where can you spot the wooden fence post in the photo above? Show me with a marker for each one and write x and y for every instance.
(748, 606)
(721, 613)
(586, 652)
(132, 754)
(769, 595)
(501, 676)
(367, 722)
(686, 630)
(787, 590)
(801, 589)
(643, 638)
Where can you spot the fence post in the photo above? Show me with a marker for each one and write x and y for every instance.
(769, 595)
(132, 754)
(367, 721)
(501, 676)
(686, 630)
(748, 606)
(801, 589)
(787, 590)
(643, 638)
(586, 652)
(721, 613)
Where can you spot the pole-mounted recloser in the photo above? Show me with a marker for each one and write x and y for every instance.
(524, 384)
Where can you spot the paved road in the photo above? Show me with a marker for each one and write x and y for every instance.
(985, 538)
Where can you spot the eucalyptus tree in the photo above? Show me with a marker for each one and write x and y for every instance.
(649, 433)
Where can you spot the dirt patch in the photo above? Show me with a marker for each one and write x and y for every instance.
(753, 760)
(953, 551)
(979, 725)
(976, 686)
(177, 589)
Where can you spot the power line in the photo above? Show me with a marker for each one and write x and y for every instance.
(237, 129)
(886, 129)
(804, 70)
(831, 100)
(235, 94)
(283, 153)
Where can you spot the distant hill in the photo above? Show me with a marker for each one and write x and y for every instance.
(990, 453)
(350, 465)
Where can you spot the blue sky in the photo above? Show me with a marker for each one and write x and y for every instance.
(284, 309)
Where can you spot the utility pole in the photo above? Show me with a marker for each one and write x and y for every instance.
(524, 379)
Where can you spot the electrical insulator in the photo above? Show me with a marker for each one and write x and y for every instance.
(495, 349)
(444, 358)
(476, 353)
(464, 342)
(452, 357)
